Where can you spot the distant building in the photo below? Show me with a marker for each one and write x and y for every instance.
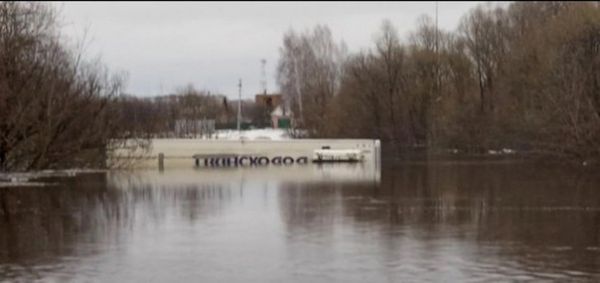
(274, 104)
(281, 117)
(271, 101)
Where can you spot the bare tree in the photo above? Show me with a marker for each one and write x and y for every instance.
(309, 74)
(54, 108)
(485, 42)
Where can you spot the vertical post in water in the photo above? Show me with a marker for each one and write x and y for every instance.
(239, 114)
(161, 161)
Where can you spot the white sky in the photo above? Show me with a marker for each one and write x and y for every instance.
(162, 46)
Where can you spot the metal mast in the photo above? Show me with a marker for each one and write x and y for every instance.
(437, 53)
(436, 84)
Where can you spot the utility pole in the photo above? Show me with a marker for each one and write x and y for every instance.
(239, 114)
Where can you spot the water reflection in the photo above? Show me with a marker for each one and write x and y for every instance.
(443, 221)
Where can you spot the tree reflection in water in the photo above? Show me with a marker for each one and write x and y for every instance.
(433, 221)
(505, 217)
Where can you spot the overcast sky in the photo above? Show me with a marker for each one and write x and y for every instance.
(162, 46)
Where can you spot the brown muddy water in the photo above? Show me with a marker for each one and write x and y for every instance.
(437, 222)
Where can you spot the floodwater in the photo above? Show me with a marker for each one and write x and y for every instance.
(461, 221)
